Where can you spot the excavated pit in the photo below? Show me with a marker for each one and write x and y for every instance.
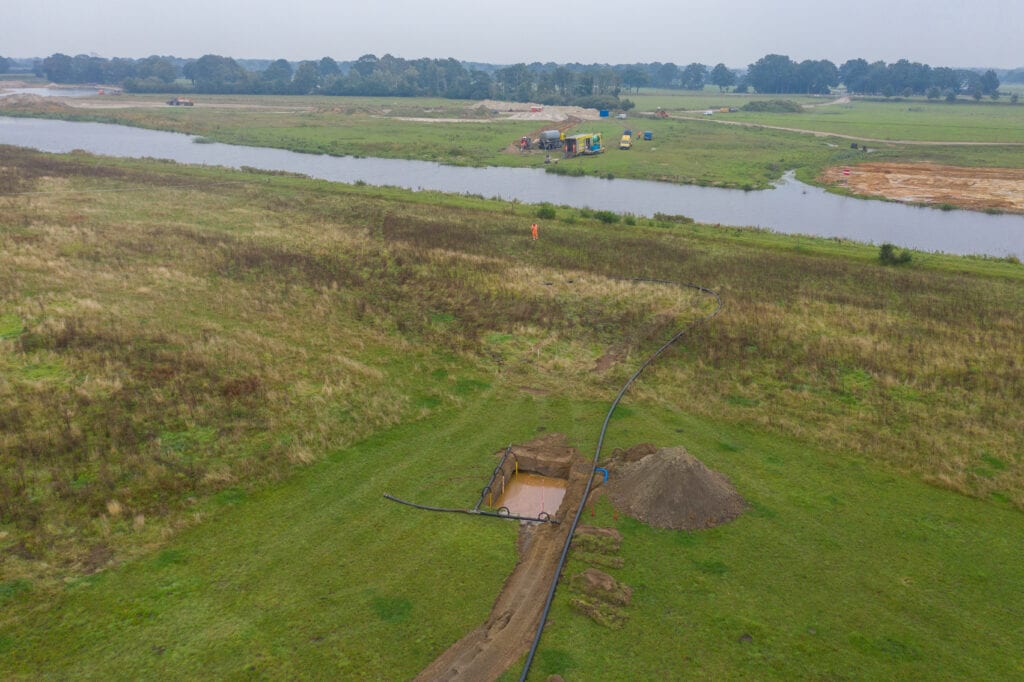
(529, 494)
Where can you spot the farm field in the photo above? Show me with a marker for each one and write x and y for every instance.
(243, 364)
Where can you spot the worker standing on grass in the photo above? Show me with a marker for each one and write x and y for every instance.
(533, 231)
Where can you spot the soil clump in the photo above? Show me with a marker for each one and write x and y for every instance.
(671, 488)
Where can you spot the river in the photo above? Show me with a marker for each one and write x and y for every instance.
(791, 208)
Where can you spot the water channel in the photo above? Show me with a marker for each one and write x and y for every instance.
(791, 208)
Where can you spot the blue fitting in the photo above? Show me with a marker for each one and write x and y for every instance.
(603, 471)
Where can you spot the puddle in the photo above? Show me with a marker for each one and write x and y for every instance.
(530, 494)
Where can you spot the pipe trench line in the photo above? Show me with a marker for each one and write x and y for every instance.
(474, 512)
(600, 443)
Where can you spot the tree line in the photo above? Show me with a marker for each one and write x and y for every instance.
(776, 73)
(599, 85)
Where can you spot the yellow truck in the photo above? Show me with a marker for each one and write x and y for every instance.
(626, 142)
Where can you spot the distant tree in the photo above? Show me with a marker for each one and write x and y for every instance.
(366, 65)
(854, 75)
(723, 77)
(306, 79)
(213, 73)
(634, 77)
(693, 76)
(989, 83)
(511, 80)
(606, 81)
(277, 77)
(816, 77)
(945, 78)
(934, 92)
(773, 73)
(1014, 98)
(58, 68)
(5, 64)
(155, 67)
(666, 75)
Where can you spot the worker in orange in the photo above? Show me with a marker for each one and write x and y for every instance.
(533, 231)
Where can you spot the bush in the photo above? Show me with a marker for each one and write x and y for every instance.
(775, 106)
(609, 217)
(670, 218)
(888, 255)
(546, 212)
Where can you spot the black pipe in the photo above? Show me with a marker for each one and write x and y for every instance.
(474, 512)
(597, 457)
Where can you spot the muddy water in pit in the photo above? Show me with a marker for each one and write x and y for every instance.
(792, 207)
(531, 494)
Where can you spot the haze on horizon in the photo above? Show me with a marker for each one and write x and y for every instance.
(984, 33)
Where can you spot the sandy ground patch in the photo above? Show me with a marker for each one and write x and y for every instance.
(925, 183)
(520, 111)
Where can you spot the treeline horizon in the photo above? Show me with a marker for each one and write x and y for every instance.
(598, 85)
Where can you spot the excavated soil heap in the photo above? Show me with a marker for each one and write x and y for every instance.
(672, 489)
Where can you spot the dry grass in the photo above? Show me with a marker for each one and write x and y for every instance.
(205, 339)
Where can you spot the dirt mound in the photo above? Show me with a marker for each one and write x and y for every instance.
(673, 489)
(38, 103)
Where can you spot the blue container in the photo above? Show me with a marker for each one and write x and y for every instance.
(604, 113)
(648, 135)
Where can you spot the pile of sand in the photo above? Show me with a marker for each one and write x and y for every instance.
(28, 102)
(672, 489)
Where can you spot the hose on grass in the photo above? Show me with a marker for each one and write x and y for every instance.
(597, 454)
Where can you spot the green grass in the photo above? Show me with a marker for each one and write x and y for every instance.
(839, 568)
(205, 395)
(916, 119)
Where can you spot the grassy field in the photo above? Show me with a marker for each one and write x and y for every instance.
(915, 119)
(204, 395)
(694, 151)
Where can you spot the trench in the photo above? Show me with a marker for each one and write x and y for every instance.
(529, 494)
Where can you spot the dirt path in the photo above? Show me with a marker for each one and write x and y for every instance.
(486, 652)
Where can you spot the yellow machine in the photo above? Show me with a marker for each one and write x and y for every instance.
(585, 144)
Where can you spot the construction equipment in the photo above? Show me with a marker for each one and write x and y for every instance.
(550, 139)
(585, 144)
(626, 142)
(181, 102)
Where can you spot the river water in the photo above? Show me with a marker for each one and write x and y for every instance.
(791, 208)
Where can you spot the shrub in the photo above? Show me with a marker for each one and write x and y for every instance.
(670, 218)
(888, 255)
(609, 217)
(775, 106)
(546, 212)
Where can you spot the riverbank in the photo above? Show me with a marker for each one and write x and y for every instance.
(687, 151)
(790, 207)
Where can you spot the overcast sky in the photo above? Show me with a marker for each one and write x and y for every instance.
(737, 32)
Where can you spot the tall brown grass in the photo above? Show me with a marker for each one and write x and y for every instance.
(188, 339)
